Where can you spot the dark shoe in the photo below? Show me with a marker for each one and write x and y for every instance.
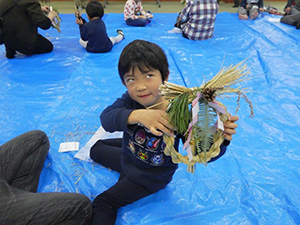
(235, 6)
(121, 32)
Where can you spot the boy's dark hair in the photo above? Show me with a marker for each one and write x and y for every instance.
(94, 9)
(143, 55)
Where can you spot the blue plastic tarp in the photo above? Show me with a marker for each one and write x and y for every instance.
(255, 182)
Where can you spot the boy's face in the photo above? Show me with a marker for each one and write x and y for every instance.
(143, 87)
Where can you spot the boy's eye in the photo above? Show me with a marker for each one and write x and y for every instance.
(129, 80)
(149, 75)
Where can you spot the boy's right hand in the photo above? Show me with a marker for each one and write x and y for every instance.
(79, 21)
(157, 121)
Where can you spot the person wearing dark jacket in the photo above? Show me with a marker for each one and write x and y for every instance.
(20, 25)
(292, 13)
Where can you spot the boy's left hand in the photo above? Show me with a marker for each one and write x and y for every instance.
(230, 126)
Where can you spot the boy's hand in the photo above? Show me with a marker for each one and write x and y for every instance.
(230, 126)
(79, 21)
(155, 120)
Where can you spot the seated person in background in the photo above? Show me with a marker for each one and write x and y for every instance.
(292, 13)
(250, 8)
(293, 20)
(292, 7)
(21, 162)
(20, 27)
(134, 14)
(197, 19)
(93, 34)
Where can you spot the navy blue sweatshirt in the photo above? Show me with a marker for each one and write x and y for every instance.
(143, 159)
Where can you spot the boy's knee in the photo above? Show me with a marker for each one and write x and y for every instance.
(106, 203)
(95, 149)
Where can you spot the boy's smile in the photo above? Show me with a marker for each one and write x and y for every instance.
(144, 87)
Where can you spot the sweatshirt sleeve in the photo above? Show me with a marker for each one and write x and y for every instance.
(84, 34)
(34, 10)
(114, 117)
(223, 149)
(184, 15)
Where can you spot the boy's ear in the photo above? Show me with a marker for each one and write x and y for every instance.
(167, 77)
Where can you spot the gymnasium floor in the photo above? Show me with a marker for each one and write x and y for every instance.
(255, 182)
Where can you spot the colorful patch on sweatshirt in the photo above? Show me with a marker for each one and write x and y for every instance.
(157, 160)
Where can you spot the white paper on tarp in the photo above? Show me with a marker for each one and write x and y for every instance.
(273, 19)
(84, 152)
(68, 146)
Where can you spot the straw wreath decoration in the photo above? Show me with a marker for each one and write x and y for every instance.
(56, 20)
(197, 114)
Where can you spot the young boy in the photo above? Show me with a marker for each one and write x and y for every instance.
(134, 14)
(250, 8)
(138, 157)
(197, 19)
(93, 34)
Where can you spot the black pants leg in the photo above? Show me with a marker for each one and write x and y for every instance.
(106, 205)
(125, 191)
(108, 153)
(42, 45)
